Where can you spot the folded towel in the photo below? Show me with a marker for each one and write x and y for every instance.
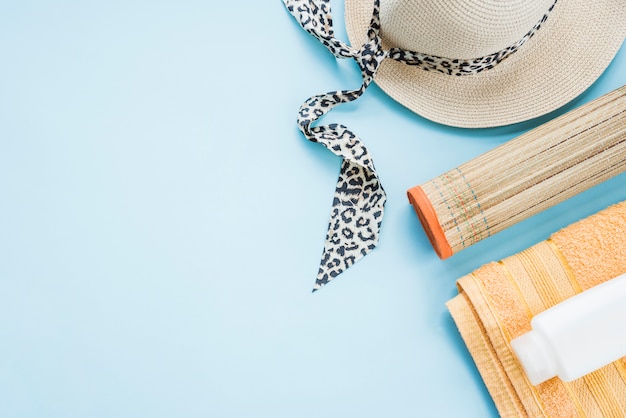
(496, 303)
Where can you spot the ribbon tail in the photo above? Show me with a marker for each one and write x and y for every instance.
(359, 199)
(355, 220)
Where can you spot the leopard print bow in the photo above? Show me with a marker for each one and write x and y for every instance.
(359, 200)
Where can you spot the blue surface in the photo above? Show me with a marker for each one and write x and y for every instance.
(161, 222)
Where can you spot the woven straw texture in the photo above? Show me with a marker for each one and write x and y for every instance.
(496, 303)
(531, 173)
(569, 52)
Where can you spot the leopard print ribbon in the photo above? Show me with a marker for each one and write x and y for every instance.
(359, 199)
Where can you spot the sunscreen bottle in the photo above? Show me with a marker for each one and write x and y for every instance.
(577, 336)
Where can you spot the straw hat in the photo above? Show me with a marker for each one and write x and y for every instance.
(561, 59)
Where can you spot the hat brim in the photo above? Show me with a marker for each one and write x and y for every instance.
(570, 51)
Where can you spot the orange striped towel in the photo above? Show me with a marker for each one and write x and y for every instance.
(496, 303)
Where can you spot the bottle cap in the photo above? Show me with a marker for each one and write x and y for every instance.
(535, 357)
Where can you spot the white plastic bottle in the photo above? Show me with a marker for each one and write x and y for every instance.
(577, 336)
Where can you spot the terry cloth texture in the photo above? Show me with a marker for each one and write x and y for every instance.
(496, 303)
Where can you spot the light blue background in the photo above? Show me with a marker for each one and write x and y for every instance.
(162, 219)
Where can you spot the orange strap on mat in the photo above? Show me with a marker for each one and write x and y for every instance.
(428, 217)
(496, 303)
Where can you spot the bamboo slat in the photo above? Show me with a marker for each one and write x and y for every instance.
(524, 176)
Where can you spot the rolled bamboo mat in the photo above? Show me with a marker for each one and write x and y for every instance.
(497, 301)
(525, 176)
